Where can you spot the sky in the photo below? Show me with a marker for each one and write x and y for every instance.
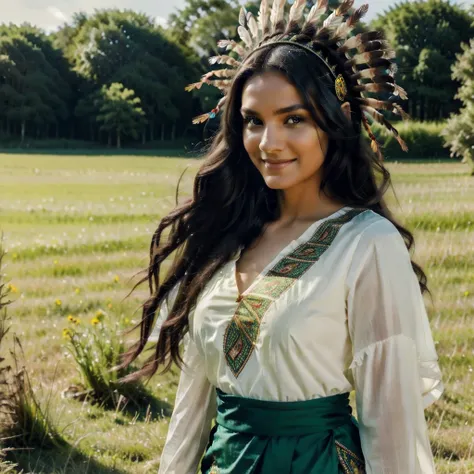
(49, 14)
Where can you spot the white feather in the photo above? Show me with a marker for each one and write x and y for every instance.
(245, 36)
(263, 18)
(252, 24)
(315, 14)
(242, 17)
(296, 11)
(278, 11)
(332, 21)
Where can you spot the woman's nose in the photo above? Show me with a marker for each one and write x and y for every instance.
(272, 141)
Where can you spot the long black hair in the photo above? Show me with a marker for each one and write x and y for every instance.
(231, 202)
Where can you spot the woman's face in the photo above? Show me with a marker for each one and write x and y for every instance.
(279, 134)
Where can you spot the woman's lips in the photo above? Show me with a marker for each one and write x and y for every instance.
(276, 165)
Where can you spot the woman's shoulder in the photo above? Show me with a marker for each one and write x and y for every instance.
(369, 225)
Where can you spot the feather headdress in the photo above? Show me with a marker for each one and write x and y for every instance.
(361, 65)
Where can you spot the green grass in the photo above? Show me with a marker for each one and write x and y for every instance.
(73, 223)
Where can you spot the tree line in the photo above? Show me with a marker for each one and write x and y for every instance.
(116, 76)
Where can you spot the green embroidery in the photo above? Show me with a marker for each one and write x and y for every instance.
(350, 462)
(242, 332)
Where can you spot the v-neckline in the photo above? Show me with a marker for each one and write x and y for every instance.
(284, 251)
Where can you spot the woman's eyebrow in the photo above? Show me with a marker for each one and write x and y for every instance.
(283, 110)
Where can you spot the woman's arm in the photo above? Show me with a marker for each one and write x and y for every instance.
(194, 408)
(190, 423)
(395, 366)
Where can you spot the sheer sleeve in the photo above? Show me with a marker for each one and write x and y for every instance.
(395, 365)
(194, 408)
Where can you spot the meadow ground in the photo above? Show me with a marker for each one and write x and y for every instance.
(77, 230)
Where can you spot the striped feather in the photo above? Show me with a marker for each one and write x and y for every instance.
(231, 45)
(344, 7)
(263, 19)
(220, 73)
(277, 14)
(401, 92)
(367, 58)
(194, 85)
(296, 11)
(344, 30)
(223, 59)
(317, 10)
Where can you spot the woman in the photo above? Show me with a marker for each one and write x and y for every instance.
(293, 283)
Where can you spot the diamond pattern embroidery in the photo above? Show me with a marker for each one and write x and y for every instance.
(350, 462)
(243, 330)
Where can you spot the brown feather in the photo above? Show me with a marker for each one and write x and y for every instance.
(370, 73)
(344, 7)
(378, 117)
(358, 15)
(374, 45)
(373, 87)
(367, 58)
(308, 30)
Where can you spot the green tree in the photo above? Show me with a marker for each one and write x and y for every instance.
(127, 47)
(459, 131)
(427, 35)
(120, 112)
(32, 89)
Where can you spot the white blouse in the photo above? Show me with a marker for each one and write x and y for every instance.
(353, 319)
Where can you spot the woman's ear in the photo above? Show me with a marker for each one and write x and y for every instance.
(346, 110)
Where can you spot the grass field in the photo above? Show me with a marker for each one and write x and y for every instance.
(77, 230)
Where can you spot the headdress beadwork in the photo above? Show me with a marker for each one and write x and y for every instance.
(360, 64)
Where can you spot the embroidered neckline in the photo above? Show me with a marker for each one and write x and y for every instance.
(304, 236)
(243, 330)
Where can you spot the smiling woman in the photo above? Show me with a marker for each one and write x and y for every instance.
(292, 283)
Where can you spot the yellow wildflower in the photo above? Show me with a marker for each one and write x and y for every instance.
(58, 302)
(12, 288)
(116, 279)
(55, 262)
(77, 291)
(466, 293)
(71, 318)
(100, 315)
(95, 321)
(67, 334)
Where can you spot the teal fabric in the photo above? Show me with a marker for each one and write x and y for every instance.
(318, 436)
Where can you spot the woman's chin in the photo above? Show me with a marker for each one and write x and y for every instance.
(277, 182)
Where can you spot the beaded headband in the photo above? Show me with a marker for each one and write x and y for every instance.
(360, 65)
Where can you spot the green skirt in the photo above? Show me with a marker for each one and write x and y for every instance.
(318, 436)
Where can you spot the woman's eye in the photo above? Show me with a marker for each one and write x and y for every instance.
(251, 120)
(296, 119)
